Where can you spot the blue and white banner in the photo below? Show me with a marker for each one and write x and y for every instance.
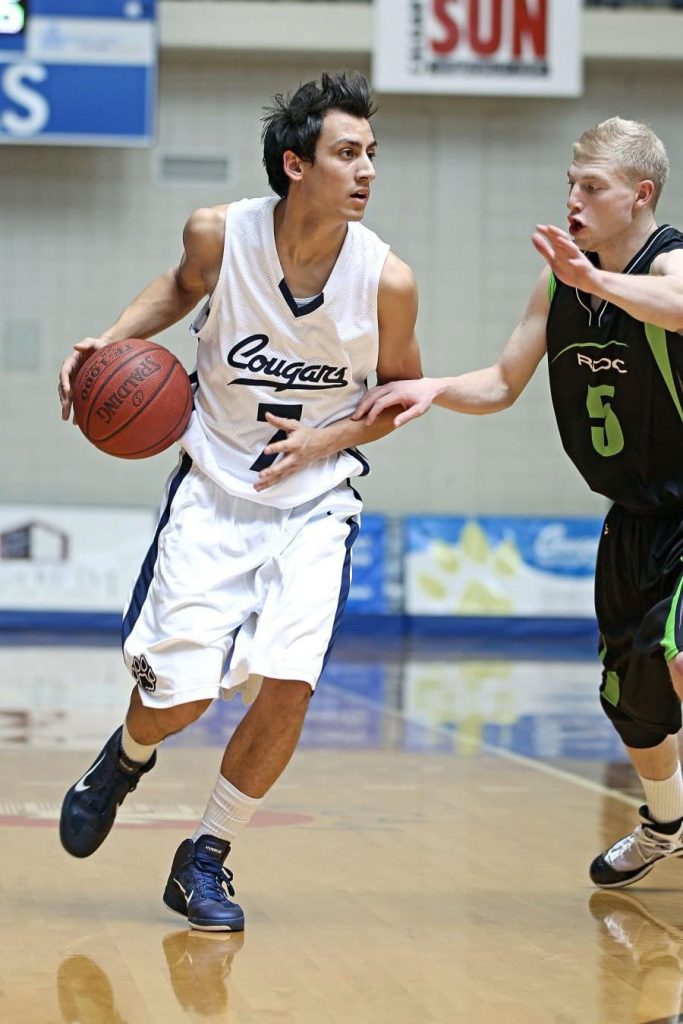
(504, 566)
(79, 72)
(370, 585)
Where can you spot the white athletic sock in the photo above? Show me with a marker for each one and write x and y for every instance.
(134, 751)
(665, 798)
(227, 812)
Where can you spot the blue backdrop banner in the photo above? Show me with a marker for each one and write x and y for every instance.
(79, 72)
(500, 565)
(370, 584)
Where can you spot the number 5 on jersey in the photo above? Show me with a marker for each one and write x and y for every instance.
(606, 432)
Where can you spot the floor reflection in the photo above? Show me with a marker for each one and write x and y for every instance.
(69, 695)
(199, 964)
(84, 993)
(642, 947)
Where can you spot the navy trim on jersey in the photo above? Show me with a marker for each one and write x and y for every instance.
(354, 527)
(144, 579)
(194, 384)
(297, 310)
(357, 454)
(201, 318)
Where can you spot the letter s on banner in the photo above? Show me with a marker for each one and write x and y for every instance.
(449, 42)
(36, 107)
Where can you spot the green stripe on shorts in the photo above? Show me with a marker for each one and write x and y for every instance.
(669, 641)
(612, 688)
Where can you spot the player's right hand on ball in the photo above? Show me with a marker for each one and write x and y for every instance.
(71, 366)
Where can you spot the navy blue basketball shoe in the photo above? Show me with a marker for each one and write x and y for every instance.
(199, 885)
(90, 806)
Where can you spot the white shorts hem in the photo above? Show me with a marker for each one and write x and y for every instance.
(270, 672)
(173, 700)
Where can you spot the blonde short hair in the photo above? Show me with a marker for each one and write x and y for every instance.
(631, 146)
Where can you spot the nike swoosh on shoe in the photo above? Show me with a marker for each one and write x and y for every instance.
(81, 786)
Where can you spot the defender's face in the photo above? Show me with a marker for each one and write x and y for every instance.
(342, 175)
(601, 203)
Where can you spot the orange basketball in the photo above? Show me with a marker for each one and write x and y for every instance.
(132, 398)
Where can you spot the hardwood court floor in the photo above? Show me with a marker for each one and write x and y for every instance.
(404, 871)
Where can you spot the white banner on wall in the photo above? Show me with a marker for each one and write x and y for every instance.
(60, 558)
(478, 47)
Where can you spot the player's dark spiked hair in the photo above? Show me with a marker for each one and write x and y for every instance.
(294, 121)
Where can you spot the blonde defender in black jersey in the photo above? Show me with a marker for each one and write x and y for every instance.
(608, 312)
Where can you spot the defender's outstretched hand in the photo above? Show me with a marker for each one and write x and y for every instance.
(564, 257)
(415, 396)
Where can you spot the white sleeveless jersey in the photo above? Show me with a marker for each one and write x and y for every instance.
(259, 352)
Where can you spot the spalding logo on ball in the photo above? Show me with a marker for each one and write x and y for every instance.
(132, 398)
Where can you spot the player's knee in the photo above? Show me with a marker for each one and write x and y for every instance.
(639, 735)
(175, 719)
(676, 673)
(284, 696)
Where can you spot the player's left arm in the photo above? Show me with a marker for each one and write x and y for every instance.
(398, 359)
(654, 298)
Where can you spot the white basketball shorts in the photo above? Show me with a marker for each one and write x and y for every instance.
(232, 591)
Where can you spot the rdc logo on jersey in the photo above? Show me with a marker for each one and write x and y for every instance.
(143, 674)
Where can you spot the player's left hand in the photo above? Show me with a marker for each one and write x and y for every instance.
(564, 257)
(298, 449)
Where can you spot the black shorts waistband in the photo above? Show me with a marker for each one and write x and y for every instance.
(661, 512)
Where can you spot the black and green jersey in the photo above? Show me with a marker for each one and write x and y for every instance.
(617, 389)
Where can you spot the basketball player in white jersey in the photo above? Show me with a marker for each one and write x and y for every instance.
(248, 573)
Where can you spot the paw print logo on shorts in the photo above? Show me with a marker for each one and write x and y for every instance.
(143, 674)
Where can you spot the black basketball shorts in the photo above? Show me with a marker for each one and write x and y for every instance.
(639, 607)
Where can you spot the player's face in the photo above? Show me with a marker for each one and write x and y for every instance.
(341, 178)
(601, 203)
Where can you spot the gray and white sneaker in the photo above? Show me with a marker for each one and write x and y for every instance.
(632, 857)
